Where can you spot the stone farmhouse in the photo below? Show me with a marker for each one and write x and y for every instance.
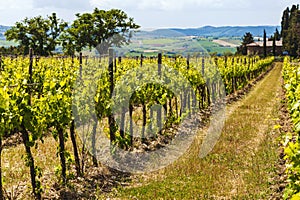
(257, 48)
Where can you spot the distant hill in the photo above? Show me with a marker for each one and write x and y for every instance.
(206, 31)
(3, 29)
(211, 31)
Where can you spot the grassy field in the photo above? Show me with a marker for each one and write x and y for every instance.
(178, 45)
(239, 167)
(171, 46)
(5, 43)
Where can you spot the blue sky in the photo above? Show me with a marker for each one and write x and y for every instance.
(156, 13)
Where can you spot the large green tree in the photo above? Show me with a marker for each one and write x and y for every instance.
(290, 30)
(277, 35)
(265, 43)
(38, 33)
(100, 29)
(247, 39)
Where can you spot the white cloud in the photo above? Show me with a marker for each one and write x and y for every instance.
(156, 13)
(170, 5)
(65, 4)
(15, 4)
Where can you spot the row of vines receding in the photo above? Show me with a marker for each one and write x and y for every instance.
(133, 100)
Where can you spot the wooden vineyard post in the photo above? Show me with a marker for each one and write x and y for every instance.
(165, 106)
(94, 132)
(80, 62)
(120, 62)
(170, 108)
(144, 109)
(142, 58)
(73, 134)
(62, 152)
(208, 92)
(189, 102)
(204, 86)
(194, 101)
(150, 129)
(216, 61)
(37, 61)
(25, 137)
(296, 73)
(176, 107)
(159, 61)
(188, 62)
(252, 74)
(233, 86)
(115, 62)
(122, 125)
(214, 84)
(123, 114)
(131, 123)
(159, 113)
(188, 93)
(203, 67)
(144, 121)
(249, 64)
(72, 60)
(30, 65)
(225, 86)
(181, 106)
(232, 78)
(75, 150)
(111, 119)
(86, 60)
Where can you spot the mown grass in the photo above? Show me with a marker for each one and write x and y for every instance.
(239, 167)
(16, 176)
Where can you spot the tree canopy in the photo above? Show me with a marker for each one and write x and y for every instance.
(100, 29)
(247, 39)
(265, 43)
(38, 33)
(290, 30)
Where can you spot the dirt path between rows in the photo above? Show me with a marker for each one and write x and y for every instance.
(249, 132)
(241, 164)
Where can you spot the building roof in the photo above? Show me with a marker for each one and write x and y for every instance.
(261, 44)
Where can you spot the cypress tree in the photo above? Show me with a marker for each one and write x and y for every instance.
(291, 31)
(274, 46)
(265, 43)
(277, 35)
(285, 27)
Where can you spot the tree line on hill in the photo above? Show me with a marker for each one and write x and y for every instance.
(291, 30)
(290, 34)
(99, 29)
